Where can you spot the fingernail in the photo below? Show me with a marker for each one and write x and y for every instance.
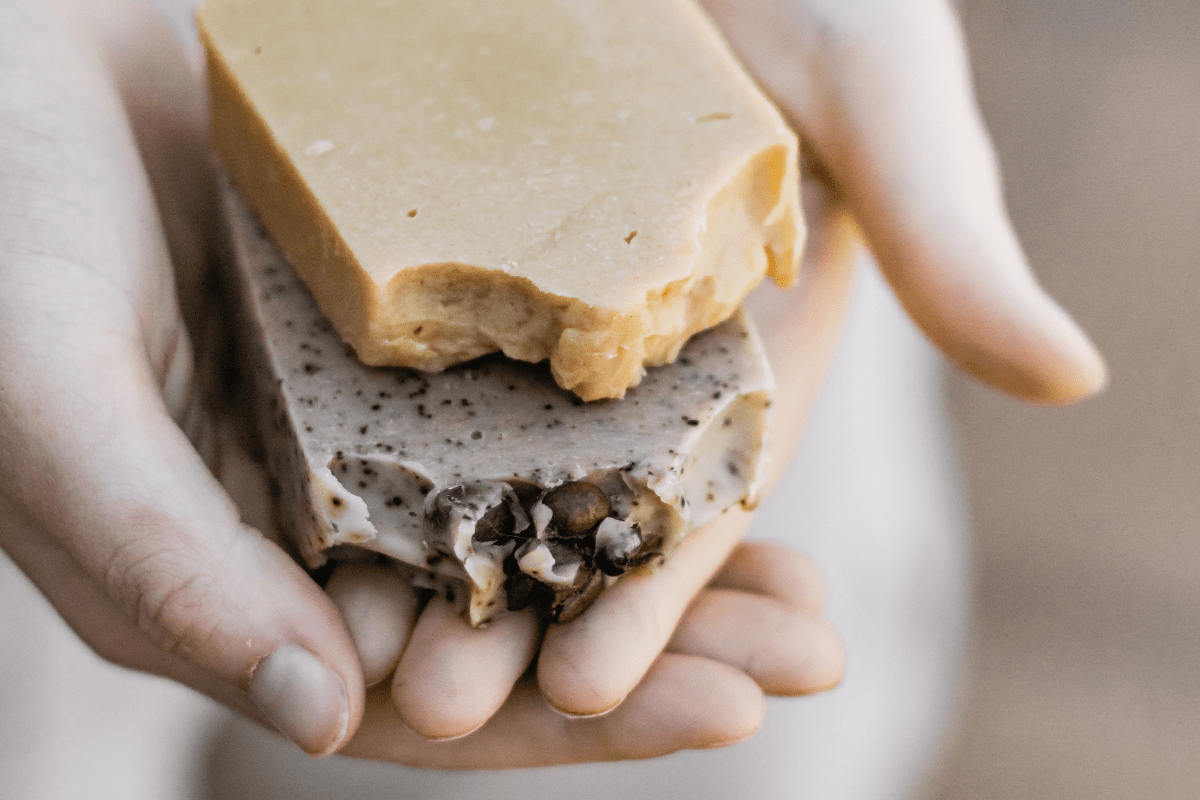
(302, 697)
(582, 714)
(448, 738)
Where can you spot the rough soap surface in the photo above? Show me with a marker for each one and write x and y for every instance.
(409, 464)
(585, 181)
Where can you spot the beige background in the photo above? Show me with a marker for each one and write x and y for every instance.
(1087, 668)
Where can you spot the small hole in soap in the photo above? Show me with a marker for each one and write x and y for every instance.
(412, 212)
(715, 116)
(629, 238)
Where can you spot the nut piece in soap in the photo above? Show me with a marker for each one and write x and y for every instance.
(577, 507)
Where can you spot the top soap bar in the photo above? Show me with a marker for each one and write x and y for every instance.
(588, 181)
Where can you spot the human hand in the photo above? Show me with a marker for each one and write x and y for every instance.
(895, 159)
(106, 503)
(109, 502)
(880, 94)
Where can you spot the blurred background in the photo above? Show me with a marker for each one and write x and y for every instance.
(1085, 679)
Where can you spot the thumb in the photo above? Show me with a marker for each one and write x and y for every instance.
(131, 537)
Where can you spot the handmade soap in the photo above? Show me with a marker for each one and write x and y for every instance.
(488, 473)
(585, 181)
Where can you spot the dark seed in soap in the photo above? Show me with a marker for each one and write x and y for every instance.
(579, 602)
(527, 492)
(497, 523)
(610, 565)
(577, 507)
(523, 591)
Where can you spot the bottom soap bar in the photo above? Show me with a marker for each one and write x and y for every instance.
(489, 473)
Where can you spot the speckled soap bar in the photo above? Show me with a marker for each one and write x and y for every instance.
(488, 472)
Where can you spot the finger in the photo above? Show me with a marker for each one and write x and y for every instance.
(883, 95)
(590, 665)
(379, 607)
(785, 649)
(452, 678)
(773, 570)
(683, 703)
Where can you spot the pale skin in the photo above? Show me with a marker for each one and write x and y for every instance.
(128, 503)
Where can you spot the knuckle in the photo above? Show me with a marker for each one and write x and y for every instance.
(156, 578)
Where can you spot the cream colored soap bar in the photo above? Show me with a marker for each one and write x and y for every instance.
(585, 181)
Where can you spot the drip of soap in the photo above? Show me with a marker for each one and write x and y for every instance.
(489, 473)
(588, 182)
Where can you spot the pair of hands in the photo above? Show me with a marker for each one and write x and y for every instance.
(111, 500)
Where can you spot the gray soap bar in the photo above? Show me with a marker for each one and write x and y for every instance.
(400, 462)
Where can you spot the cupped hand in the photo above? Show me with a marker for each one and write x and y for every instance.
(896, 159)
(113, 467)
